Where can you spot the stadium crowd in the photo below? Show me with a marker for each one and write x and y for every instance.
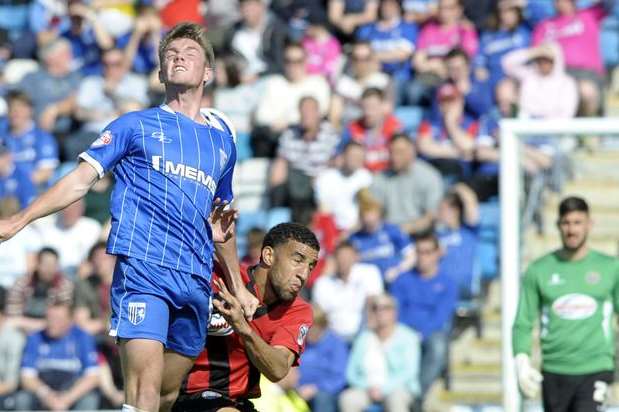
(374, 122)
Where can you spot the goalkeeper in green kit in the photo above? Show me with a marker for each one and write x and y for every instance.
(574, 291)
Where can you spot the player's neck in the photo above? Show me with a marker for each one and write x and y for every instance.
(185, 101)
(574, 254)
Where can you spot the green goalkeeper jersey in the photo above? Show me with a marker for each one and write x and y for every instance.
(575, 301)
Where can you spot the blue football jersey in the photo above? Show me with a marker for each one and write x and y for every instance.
(168, 170)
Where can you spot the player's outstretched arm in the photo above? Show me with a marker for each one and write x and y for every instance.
(67, 190)
(274, 362)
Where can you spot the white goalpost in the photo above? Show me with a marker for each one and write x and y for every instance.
(510, 189)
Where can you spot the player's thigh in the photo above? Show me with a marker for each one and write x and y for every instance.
(593, 392)
(189, 323)
(139, 309)
(142, 361)
(176, 367)
(558, 391)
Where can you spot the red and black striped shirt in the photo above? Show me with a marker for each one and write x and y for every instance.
(224, 367)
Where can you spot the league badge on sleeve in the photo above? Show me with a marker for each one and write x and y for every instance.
(103, 140)
(303, 329)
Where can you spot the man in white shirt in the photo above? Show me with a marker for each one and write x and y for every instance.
(72, 235)
(343, 295)
(336, 188)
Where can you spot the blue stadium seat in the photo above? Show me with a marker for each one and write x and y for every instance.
(487, 250)
(410, 116)
(609, 41)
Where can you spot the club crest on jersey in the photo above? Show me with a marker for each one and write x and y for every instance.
(593, 278)
(137, 312)
(103, 140)
(303, 329)
(160, 137)
(218, 326)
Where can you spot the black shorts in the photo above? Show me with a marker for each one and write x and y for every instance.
(197, 403)
(575, 393)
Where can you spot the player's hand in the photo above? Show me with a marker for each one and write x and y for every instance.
(375, 394)
(8, 228)
(248, 302)
(230, 308)
(222, 220)
(529, 378)
(308, 391)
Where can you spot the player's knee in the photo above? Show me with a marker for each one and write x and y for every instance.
(168, 399)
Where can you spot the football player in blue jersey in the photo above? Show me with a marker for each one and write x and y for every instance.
(173, 168)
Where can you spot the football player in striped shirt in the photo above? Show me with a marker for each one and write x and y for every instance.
(173, 168)
(226, 375)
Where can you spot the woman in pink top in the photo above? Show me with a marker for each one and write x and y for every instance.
(323, 50)
(437, 38)
(577, 32)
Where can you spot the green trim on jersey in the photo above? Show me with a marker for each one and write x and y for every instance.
(574, 301)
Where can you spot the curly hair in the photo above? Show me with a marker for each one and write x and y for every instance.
(285, 232)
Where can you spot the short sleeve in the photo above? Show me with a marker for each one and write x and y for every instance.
(292, 330)
(88, 353)
(46, 150)
(111, 146)
(400, 240)
(29, 357)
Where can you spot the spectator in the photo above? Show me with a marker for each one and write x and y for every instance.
(52, 87)
(173, 12)
(384, 362)
(28, 298)
(273, 114)
(393, 41)
(485, 181)
(457, 224)
(380, 243)
(14, 183)
(323, 226)
(48, 19)
(322, 374)
(101, 99)
(436, 39)
(577, 33)
(259, 38)
(374, 129)
(324, 52)
(59, 366)
(297, 14)
(14, 23)
(255, 236)
(34, 152)
(141, 44)
(477, 93)
(304, 151)
(342, 295)
(281, 396)
(92, 290)
(364, 73)
(348, 15)
(72, 235)
(18, 254)
(427, 300)
(546, 90)
(448, 141)
(336, 187)
(410, 190)
(420, 11)
(11, 345)
(506, 32)
(236, 94)
(88, 37)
